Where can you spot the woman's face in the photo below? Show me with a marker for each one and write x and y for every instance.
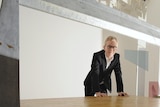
(110, 48)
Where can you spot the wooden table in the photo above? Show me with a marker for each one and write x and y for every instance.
(110, 101)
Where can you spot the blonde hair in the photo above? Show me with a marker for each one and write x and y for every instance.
(109, 38)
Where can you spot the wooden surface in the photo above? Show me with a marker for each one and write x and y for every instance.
(110, 101)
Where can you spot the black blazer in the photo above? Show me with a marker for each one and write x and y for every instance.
(99, 73)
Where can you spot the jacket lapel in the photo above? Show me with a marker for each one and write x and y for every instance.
(104, 62)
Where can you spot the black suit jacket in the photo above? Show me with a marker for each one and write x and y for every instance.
(99, 73)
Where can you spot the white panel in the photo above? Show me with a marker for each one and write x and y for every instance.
(55, 54)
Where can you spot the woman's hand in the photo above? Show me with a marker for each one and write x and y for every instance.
(122, 94)
(99, 94)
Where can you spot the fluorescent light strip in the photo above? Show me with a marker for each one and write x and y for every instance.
(132, 33)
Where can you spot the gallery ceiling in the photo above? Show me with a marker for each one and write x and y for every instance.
(136, 8)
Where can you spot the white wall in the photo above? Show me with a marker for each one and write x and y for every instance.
(153, 17)
(153, 69)
(153, 11)
(55, 54)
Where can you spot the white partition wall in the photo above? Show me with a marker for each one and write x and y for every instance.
(55, 54)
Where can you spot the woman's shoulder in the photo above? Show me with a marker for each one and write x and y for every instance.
(117, 55)
(99, 52)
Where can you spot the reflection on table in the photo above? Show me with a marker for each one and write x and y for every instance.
(110, 101)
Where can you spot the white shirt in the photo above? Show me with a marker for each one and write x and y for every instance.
(109, 61)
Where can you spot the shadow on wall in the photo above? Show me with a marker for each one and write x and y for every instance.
(138, 57)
